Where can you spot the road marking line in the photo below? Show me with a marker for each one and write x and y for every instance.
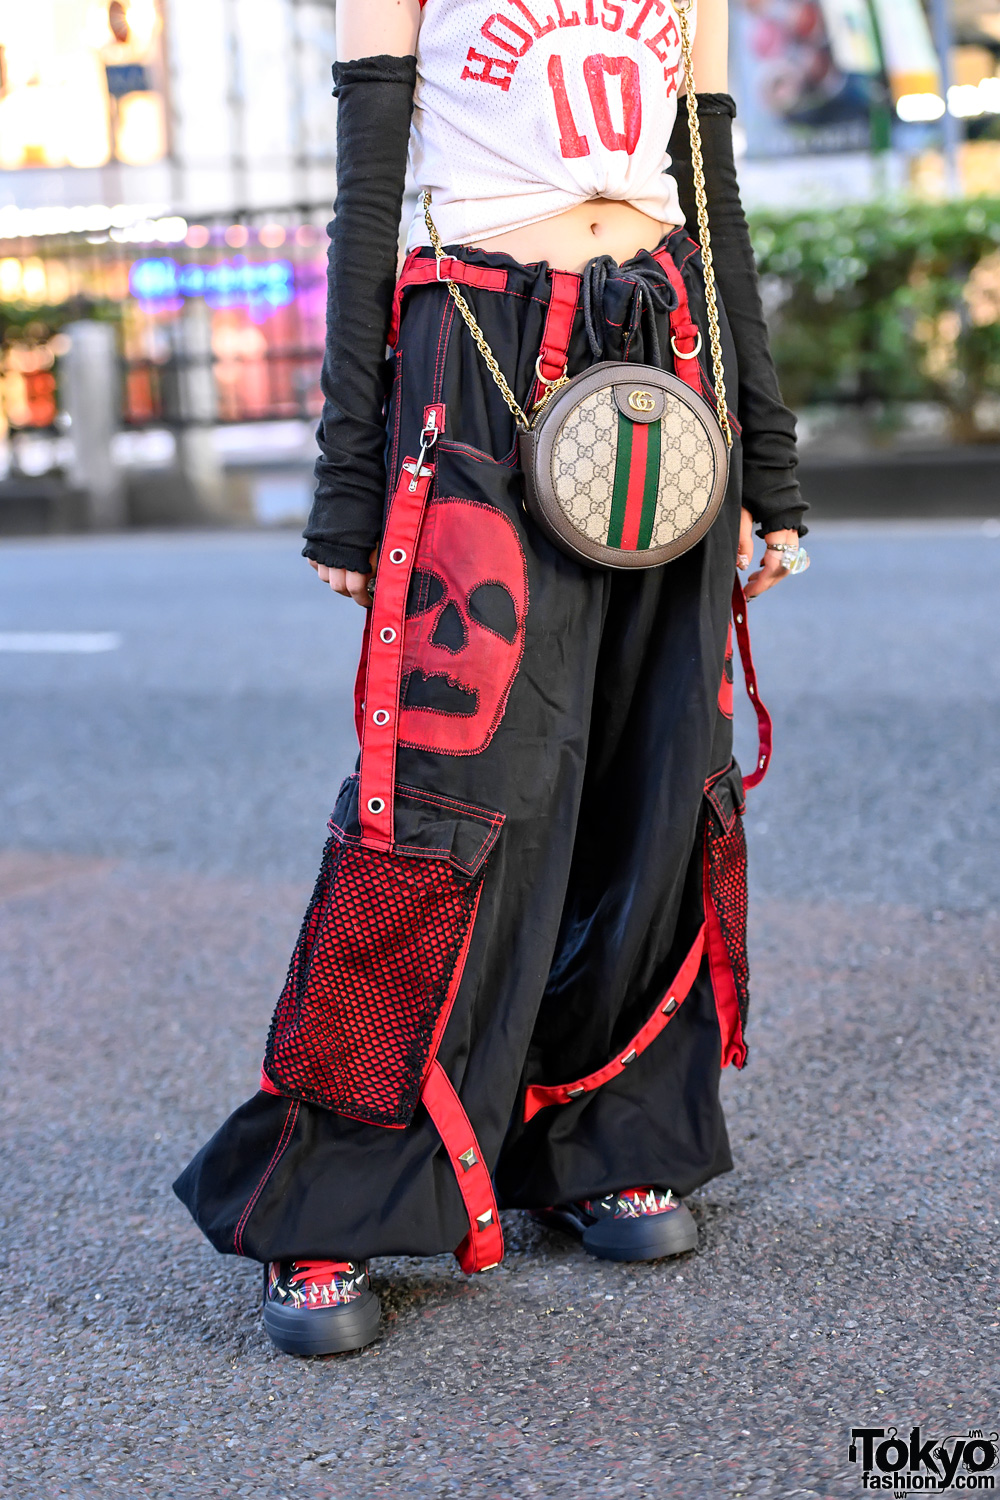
(59, 640)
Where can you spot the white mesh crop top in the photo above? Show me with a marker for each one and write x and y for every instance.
(524, 108)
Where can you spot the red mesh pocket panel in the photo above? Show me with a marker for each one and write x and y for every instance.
(368, 981)
(726, 853)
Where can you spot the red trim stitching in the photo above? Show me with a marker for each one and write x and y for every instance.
(493, 821)
(509, 460)
(291, 1115)
(397, 399)
(452, 995)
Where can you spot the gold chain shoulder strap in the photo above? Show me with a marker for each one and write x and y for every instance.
(682, 7)
(469, 316)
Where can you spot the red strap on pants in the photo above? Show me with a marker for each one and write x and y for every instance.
(685, 335)
(419, 270)
(765, 728)
(380, 708)
(553, 356)
(482, 1247)
(538, 1096)
(554, 353)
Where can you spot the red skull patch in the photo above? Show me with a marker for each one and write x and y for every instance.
(465, 619)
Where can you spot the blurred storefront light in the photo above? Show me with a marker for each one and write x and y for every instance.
(81, 84)
(916, 109)
(966, 101)
(259, 286)
(95, 218)
(969, 101)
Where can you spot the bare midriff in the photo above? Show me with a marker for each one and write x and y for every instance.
(600, 226)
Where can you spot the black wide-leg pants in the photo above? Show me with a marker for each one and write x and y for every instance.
(575, 724)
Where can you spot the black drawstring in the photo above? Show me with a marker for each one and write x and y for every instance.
(655, 293)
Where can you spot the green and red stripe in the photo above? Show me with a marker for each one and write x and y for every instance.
(637, 477)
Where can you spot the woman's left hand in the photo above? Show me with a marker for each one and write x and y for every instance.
(770, 571)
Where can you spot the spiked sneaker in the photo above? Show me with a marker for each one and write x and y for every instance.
(634, 1224)
(319, 1306)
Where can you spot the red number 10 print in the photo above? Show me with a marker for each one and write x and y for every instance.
(596, 71)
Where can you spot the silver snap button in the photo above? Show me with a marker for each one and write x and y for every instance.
(387, 634)
(739, 619)
(376, 805)
(380, 716)
(397, 555)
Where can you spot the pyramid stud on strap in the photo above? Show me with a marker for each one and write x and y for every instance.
(468, 1159)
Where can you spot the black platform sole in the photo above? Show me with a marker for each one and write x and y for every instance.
(324, 1330)
(649, 1237)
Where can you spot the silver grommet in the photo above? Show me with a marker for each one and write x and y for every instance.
(397, 555)
(387, 634)
(376, 805)
(380, 716)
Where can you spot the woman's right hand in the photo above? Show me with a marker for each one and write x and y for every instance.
(351, 585)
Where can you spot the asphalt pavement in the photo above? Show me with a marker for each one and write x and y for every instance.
(162, 809)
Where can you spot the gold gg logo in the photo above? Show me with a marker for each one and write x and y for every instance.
(641, 401)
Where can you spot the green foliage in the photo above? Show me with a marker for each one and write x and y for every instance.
(887, 303)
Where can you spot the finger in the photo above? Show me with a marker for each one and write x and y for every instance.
(313, 564)
(744, 548)
(357, 587)
(768, 574)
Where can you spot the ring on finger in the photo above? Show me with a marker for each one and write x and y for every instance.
(794, 559)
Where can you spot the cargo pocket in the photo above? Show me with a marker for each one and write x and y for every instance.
(725, 901)
(380, 957)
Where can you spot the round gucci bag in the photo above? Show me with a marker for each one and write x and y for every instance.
(625, 466)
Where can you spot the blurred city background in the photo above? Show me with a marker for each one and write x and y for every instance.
(166, 173)
(176, 715)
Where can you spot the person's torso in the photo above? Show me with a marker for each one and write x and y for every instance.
(524, 108)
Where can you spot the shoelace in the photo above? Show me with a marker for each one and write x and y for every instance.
(318, 1272)
(655, 293)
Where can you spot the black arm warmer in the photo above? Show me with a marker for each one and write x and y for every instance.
(770, 489)
(373, 130)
